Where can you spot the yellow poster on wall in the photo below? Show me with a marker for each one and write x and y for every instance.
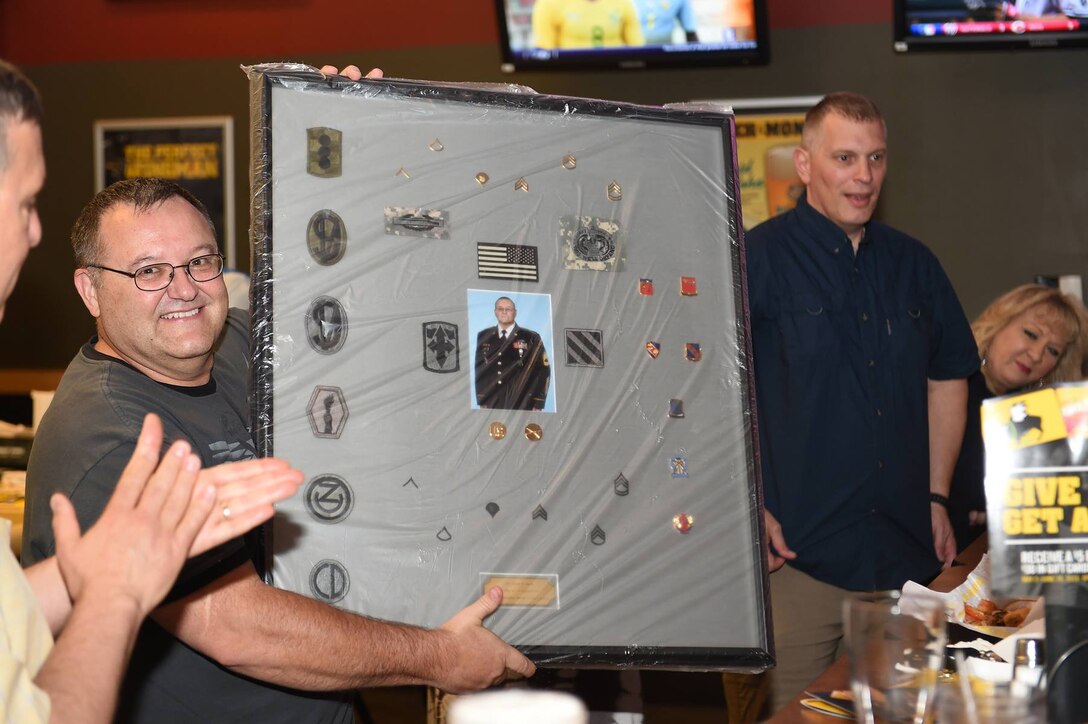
(769, 184)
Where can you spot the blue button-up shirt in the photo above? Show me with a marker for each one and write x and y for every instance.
(843, 345)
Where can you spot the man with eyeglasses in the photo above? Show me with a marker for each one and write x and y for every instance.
(94, 595)
(512, 370)
(150, 273)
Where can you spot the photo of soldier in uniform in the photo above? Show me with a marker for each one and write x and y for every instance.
(511, 367)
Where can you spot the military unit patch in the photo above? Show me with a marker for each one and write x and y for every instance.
(693, 352)
(327, 411)
(329, 581)
(326, 325)
(441, 349)
(326, 237)
(585, 347)
(328, 499)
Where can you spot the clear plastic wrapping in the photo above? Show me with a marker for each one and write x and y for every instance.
(610, 487)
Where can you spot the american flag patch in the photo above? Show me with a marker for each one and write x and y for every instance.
(507, 261)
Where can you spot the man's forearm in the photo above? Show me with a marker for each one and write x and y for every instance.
(83, 672)
(947, 418)
(291, 640)
(48, 586)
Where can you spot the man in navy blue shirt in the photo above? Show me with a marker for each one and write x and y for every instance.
(861, 352)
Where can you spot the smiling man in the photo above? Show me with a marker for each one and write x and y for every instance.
(225, 646)
(861, 352)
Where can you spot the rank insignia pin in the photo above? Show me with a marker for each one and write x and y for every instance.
(653, 349)
(693, 352)
(621, 485)
(521, 184)
(403, 173)
(646, 287)
(324, 152)
(597, 536)
(570, 162)
(492, 509)
(436, 145)
(540, 514)
(614, 192)
(482, 178)
(688, 287)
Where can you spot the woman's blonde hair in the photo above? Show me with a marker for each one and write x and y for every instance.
(1063, 311)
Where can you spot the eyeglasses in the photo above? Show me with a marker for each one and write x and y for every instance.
(153, 277)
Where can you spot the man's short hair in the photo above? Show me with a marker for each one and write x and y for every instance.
(19, 101)
(851, 106)
(142, 193)
(507, 299)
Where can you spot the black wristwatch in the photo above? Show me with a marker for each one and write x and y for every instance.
(939, 499)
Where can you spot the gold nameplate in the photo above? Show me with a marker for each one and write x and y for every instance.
(536, 591)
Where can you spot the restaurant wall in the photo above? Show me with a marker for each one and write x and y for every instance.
(989, 153)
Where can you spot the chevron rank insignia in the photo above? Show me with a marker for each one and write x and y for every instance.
(324, 152)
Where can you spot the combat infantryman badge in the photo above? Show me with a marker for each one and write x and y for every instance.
(441, 350)
(324, 152)
(425, 223)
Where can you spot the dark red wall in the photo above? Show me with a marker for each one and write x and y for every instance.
(48, 31)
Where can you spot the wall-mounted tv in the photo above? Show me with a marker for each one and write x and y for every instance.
(968, 24)
(555, 34)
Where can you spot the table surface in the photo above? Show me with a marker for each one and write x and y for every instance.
(837, 676)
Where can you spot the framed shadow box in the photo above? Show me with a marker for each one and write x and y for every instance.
(597, 461)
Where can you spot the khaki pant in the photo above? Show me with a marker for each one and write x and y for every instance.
(807, 617)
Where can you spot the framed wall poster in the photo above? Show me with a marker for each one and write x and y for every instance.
(599, 462)
(196, 153)
(768, 130)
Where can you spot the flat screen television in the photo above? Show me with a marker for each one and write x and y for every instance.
(997, 24)
(555, 34)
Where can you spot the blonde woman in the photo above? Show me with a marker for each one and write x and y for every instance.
(1029, 337)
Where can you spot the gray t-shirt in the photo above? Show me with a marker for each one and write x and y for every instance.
(82, 445)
